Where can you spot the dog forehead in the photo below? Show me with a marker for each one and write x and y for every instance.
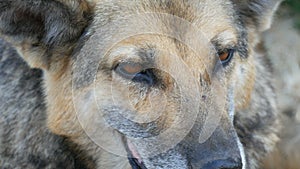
(209, 16)
(188, 21)
(180, 20)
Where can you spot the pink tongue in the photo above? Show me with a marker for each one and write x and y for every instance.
(134, 153)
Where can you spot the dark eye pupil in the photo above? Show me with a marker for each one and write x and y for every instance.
(145, 77)
(136, 73)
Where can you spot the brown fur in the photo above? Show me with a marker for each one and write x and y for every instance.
(81, 104)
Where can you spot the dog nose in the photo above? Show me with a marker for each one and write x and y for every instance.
(224, 164)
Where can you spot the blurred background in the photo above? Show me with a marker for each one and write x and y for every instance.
(282, 42)
(294, 6)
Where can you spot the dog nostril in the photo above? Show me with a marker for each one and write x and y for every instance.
(223, 164)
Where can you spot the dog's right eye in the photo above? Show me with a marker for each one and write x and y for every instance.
(135, 72)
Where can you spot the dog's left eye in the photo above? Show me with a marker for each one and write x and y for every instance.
(135, 72)
(226, 56)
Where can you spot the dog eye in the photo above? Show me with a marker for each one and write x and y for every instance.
(226, 56)
(135, 72)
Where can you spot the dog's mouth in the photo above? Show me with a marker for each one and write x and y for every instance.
(134, 158)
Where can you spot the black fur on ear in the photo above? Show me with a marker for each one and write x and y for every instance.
(257, 12)
(51, 23)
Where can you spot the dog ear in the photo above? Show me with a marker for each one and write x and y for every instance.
(37, 26)
(257, 12)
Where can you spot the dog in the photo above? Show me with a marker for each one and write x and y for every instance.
(152, 84)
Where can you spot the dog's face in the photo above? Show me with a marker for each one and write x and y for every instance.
(166, 83)
(157, 81)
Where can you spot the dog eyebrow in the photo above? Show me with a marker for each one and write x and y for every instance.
(226, 39)
(144, 54)
(147, 53)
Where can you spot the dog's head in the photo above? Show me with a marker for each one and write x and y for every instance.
(157, 81)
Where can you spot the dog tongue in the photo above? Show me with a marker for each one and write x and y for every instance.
(134, 152)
